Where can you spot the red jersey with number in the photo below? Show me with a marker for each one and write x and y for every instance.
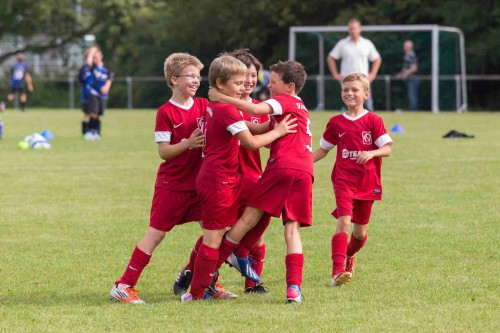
(250, 163)
(292, 151)
(176, 123)
(220, 153)
(353, 136)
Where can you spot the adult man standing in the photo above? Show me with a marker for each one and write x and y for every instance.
(356, 52)
(410, 67)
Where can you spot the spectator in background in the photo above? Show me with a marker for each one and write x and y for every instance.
(18, 76)
(356, 52)
(85, 79)
(410, 67)
(99, 93)
(261, 89)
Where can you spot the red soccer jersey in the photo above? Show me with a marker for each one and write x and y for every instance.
(250, 164)
(292, 151)
(352, 136)
(175, 123)
(220, 153)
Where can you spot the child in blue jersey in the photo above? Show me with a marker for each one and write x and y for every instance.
(99, 92)
(18, 76)
(85, 79)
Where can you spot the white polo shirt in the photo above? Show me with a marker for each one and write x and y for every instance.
(355, 56)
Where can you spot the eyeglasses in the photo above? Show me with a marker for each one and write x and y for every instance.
(190, 77)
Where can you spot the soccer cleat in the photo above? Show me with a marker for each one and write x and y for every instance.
(257, 290)
(244, 266)
(125, 295)
(349, 264)
(341, 278)
(293, 294)
(182, 282)
(216, 291)
(186, 297)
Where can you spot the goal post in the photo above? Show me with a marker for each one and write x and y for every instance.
(435, 46)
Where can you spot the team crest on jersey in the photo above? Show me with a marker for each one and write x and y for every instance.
(367, 138)
(255, 120)
(201, 124)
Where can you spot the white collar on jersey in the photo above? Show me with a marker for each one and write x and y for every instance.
(354, 118)
(185, 107)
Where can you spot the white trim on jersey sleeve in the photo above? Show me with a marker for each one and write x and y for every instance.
(325, 144)
(383, 140)
(276, 106)
(163, 136)
(237, 127)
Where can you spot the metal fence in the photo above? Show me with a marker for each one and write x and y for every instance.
(150, 92)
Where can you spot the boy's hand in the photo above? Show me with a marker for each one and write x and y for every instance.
(196, 139)
(287, 126)
(364, 157)
(214, 95)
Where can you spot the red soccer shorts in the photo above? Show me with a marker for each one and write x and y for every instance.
(170, 208)
(248, 186)
(359, 210)
(286, 192)
(219, 205)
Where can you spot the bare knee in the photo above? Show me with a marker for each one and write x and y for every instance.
(359, 231)
(343, 224)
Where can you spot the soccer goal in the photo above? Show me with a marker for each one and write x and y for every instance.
(440, 51)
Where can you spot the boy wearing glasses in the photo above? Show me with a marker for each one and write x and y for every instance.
(178, 133)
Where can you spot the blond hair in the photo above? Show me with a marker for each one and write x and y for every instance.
(358, 77)
(176, 62)
(224, 68)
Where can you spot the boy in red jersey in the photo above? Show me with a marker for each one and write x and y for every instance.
(179, 138)
(285, 187)
(361, 141)
(218, 182)
(250, 167)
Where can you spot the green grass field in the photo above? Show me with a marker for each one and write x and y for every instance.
(70, 217)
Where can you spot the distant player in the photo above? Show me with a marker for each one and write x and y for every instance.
(285, 187)
(361, 141)
(18, 76)
(179, 138)
(85, 79)
(219, 184)
(99, 93)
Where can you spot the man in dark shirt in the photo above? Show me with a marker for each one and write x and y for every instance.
(410, 67)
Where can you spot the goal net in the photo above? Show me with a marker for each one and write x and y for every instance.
(441, 65)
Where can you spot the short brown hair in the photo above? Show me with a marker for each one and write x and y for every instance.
(176, 62)
(291, 72)
(20, 57)
(358, 77)
(246, 57)
(224, 67)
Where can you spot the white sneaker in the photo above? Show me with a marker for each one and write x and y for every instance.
(125, 295)
(89, 136)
